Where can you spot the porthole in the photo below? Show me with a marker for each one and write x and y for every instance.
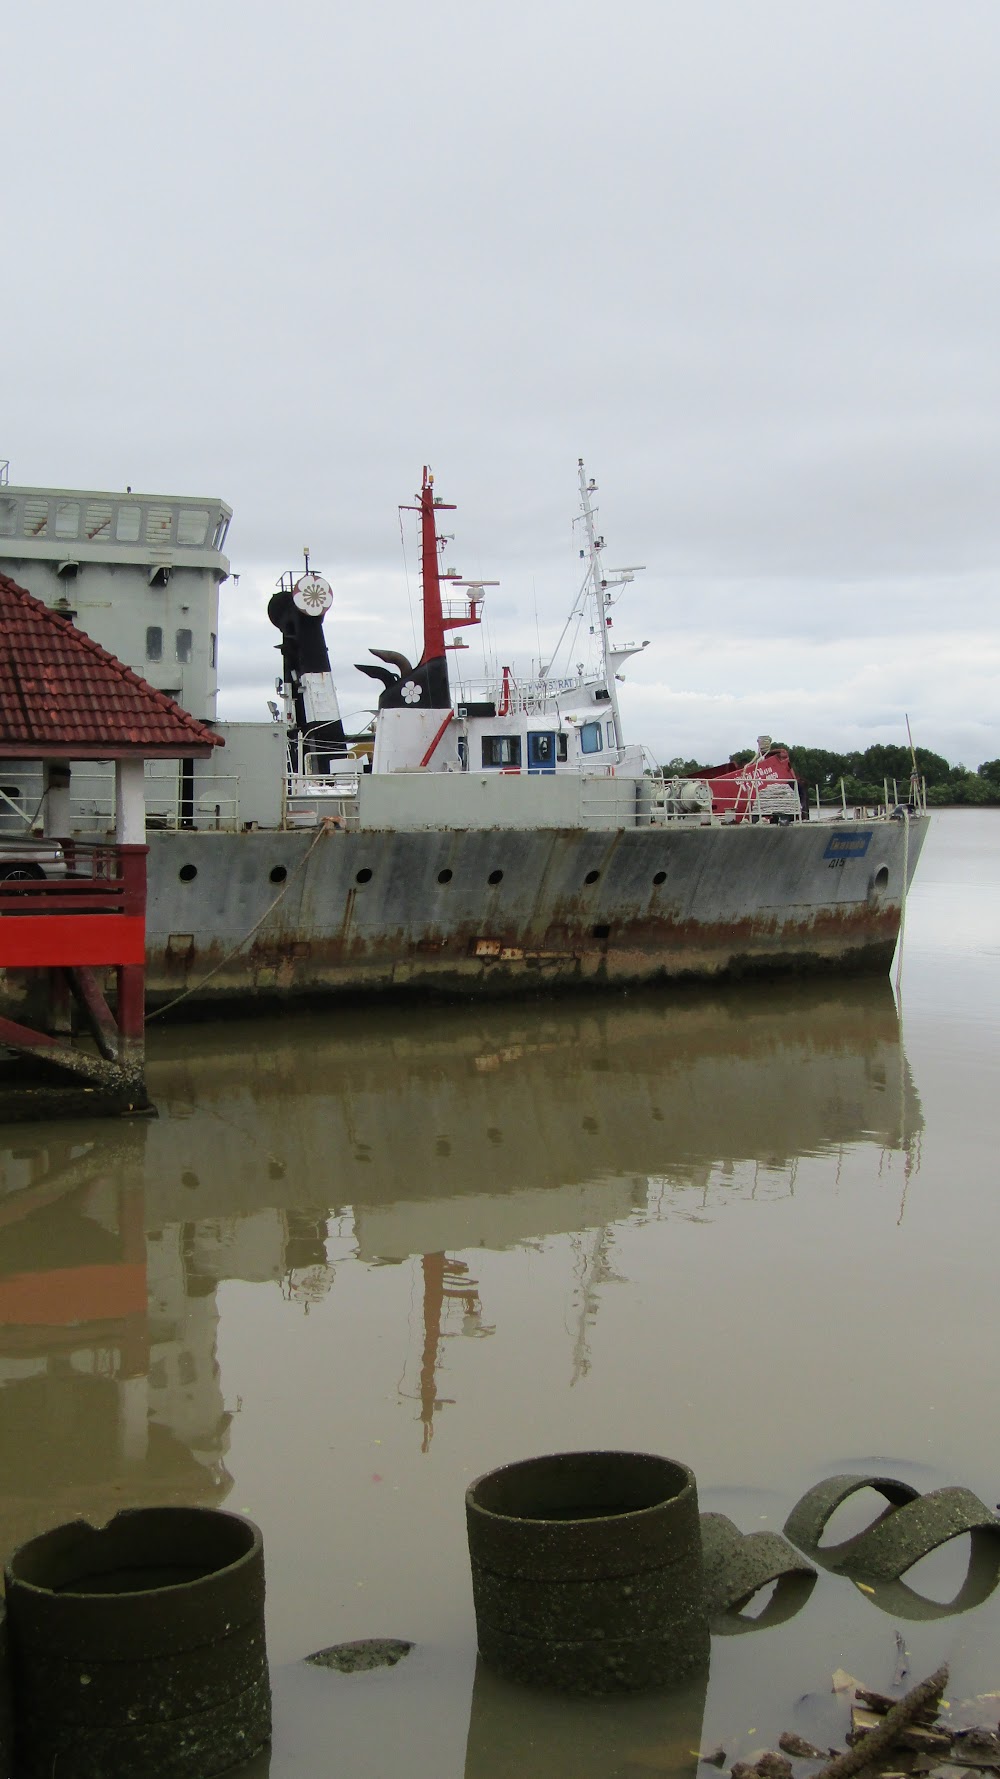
(188, 873)
(495, 877)
(364, 875)
(601, 932)
(882, 877)
(592, 877)
(445, 876)
(660, 877)
(279, 873)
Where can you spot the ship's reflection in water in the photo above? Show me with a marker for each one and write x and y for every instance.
(421, 1136)
(288, 1149)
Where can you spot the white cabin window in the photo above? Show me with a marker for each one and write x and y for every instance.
(220, 533)
(127, 524)
(8, 516)
(67, 518)
(609, 730)
(562, 746)
(192, 525)
(184, 641)
(590, 738)
(154, 643)
(501, 750)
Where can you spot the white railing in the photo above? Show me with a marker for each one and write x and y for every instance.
(311, 798)
(206, 803)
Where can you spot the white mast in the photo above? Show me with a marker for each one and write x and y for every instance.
(600, 583)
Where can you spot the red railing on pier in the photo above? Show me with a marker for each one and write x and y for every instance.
(95, 915)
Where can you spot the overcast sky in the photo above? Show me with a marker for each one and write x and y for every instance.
(743, 256)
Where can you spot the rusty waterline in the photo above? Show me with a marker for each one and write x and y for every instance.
(587, 1571)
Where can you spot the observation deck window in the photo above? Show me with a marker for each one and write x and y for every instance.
(192, 525)
(67, 518)
(97, 520)
(154, 643)
(184, 642)
(128, 524)
(159, 525)
(36, 518)
(8, 516)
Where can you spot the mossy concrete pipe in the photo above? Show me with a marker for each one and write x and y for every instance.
(138, 1647)
(587, 1571)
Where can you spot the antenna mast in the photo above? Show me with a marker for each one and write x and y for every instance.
(599, 588)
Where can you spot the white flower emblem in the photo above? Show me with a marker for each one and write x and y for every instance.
(410, 693)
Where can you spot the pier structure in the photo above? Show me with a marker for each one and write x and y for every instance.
(73, 914)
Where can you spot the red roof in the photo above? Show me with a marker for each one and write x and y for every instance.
(64, 697)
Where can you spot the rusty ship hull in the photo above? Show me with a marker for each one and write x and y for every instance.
(495, 911)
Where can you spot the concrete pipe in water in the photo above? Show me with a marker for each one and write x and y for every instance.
(138, 1647)
(587, 1571)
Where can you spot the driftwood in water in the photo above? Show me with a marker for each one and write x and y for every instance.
(878, 1741)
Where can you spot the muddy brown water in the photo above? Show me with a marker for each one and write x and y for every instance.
(361, 1258)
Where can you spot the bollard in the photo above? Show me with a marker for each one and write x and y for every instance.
(138, 1647)
(587, 1571)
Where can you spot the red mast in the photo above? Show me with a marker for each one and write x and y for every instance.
(435, 622)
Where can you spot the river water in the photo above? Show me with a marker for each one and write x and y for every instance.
(362, 1257)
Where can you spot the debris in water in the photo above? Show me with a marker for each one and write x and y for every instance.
(878, 1741)
(790, 1743)
(977, 1748)
(358, 1657)
(842, 1682)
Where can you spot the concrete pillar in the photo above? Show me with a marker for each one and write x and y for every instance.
(55, 809)
(130, 803)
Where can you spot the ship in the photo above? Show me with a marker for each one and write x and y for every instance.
(473, 839)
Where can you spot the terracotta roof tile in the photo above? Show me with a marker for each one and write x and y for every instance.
(59, 689)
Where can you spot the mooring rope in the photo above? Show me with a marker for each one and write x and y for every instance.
(286, 886)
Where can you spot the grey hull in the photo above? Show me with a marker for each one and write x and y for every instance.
(322, 913)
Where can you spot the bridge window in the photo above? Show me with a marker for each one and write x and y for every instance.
(97, 522)
(159, 524)
(127, 524)
(8, 516)
(610, 729)
(590, 738)
(36, 518)
(184, 641)
(501, 750)
(192, 525)
(67, 518)
(220, 532)
(154, 643)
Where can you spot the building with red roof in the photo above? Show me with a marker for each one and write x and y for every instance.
(64, 698)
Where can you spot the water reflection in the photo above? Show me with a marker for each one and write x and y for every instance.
(425, 1135)
(518, 1733)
